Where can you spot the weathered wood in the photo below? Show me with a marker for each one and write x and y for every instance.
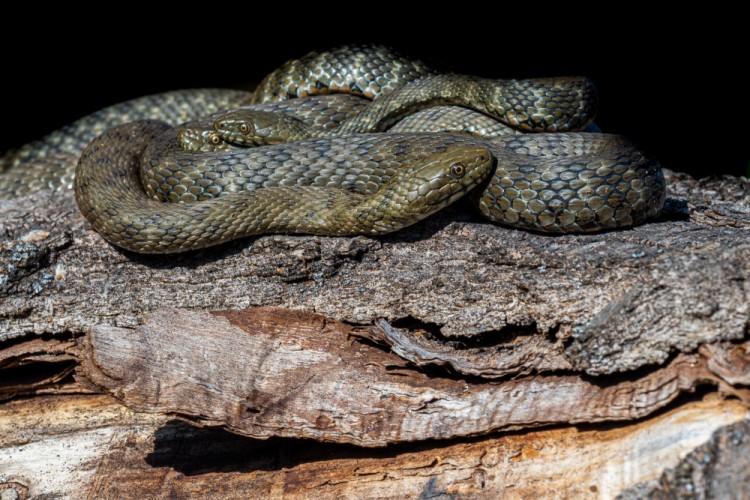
(272, 372)
(55, 444)
(605, 302)
(489, 329)
(719, 468)
(35, 366)
(93, 447)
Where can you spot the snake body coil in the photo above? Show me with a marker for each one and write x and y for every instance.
(343, 181)
(109, 193)
(543, 182)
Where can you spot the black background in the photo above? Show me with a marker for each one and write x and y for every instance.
(673, 83)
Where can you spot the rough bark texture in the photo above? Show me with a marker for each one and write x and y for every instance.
(719, 468)
(608, 302)
(429, 349)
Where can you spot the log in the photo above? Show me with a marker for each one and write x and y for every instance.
(421, 363)
(607, 302)
(77, 446)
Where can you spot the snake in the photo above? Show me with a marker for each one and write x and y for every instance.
(130, 218)
(552, 182)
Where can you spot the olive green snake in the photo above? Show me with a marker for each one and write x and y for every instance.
(346, 180)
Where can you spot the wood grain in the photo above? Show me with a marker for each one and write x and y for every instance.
(93, 447)
(272, 372)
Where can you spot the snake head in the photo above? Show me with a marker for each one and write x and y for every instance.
(440, 179)
(427, 186)
(423, 188)
(203, 140)
(250, 127)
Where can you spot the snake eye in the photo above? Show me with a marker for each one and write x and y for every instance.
(458, 169)
(244, 127)
(215, 139)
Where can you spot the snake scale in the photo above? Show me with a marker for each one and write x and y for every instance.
(342, 178)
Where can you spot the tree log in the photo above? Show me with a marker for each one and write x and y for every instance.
(607, 302)
(91, 446)
(435, 351)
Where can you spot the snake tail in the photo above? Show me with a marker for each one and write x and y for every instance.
(110, 195)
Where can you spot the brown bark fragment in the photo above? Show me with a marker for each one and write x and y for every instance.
(36, 351)
(270, 372)
(35, 366)
(512, 354)
(730, 362)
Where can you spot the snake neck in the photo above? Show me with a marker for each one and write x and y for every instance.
(540, 105)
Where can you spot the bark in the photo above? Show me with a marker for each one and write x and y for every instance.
(436, 351)
(607, 303)
(271, 372)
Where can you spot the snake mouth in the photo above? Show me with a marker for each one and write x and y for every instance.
(454, 196)
(478, 177)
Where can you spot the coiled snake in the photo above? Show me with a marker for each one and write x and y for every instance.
(558, 182)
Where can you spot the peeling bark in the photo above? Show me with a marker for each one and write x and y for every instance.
(270, 372)
(512, 353)
(34, 366)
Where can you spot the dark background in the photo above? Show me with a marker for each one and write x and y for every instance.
(673, 84)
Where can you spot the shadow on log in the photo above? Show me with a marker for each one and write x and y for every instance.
(96, 447)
